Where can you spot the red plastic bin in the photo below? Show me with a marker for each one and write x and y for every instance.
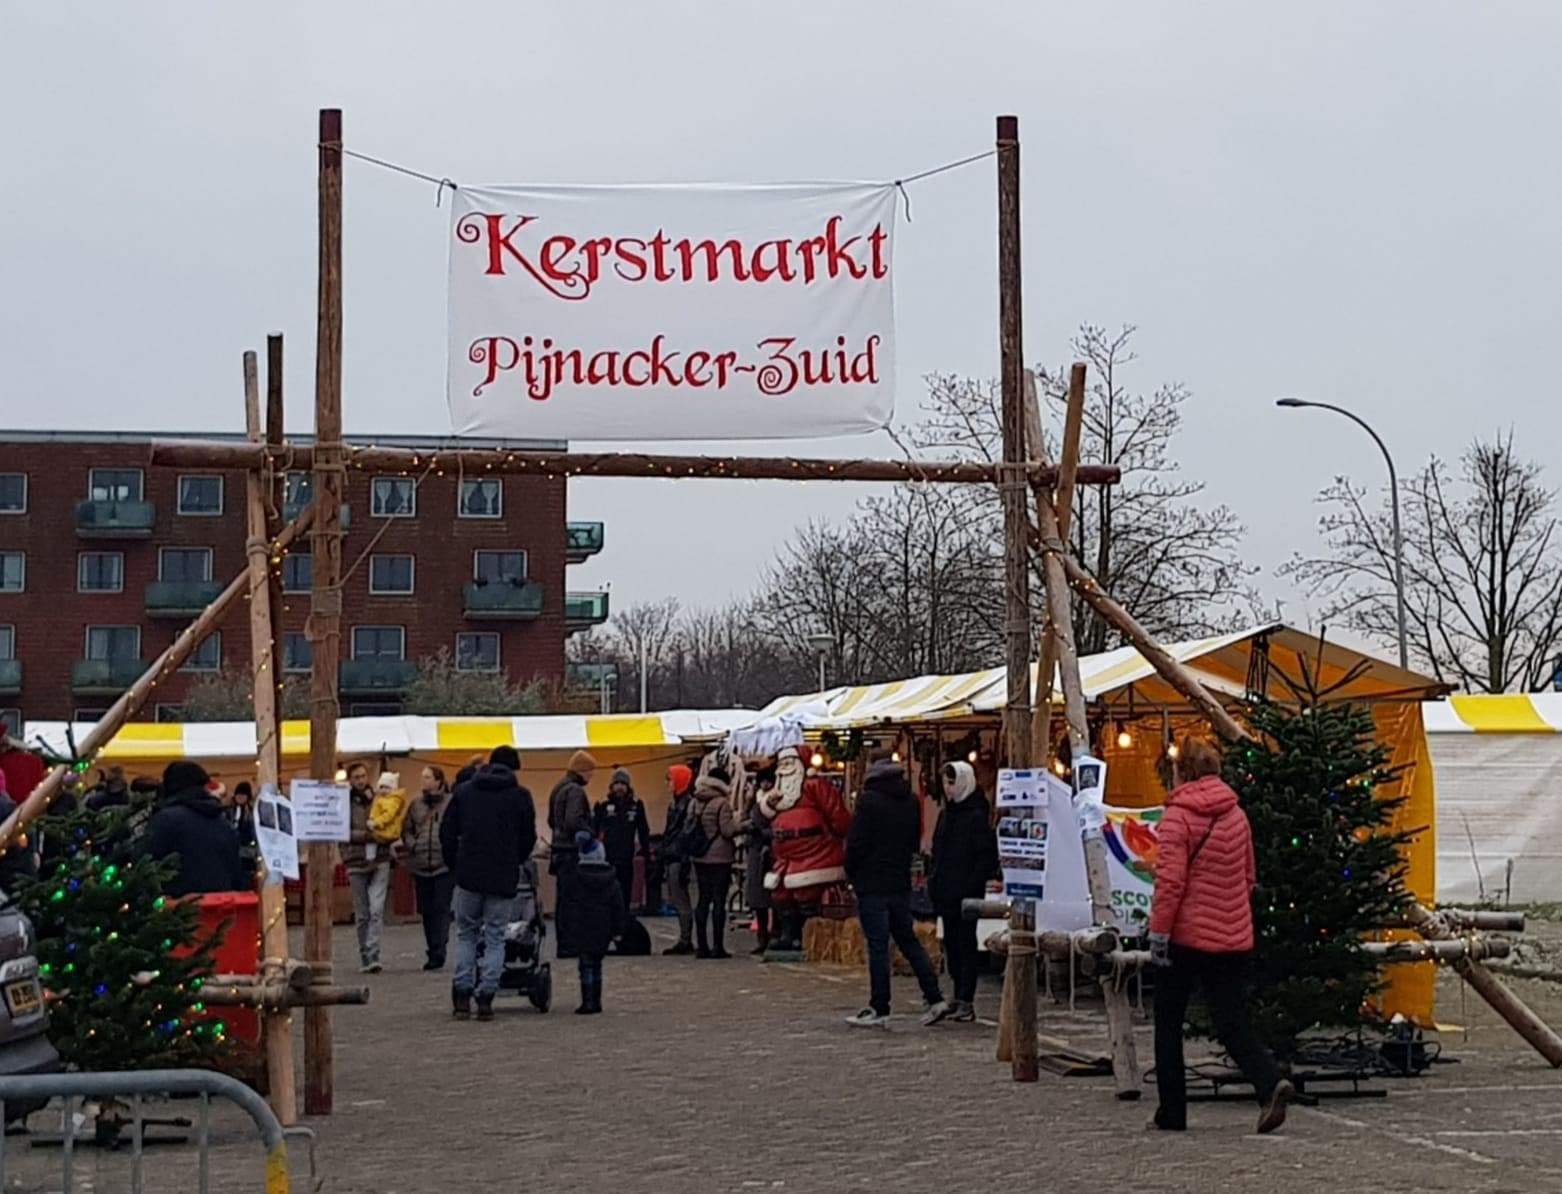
(238, 953)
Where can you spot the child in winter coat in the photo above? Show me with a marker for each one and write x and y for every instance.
(599, 918)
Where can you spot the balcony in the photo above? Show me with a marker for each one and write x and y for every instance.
(582, 541)
(504, 600)
(10, 675)
(105, 677)
(374, 677)
(115, 520)
(291, 510)
(180, 598)
(584, 610)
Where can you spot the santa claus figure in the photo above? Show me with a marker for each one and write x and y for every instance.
(808, 822)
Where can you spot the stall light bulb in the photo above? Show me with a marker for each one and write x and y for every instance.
(817, 760)
(895, 756)
(341, 775)
(1057, 765)
(971, 758)
(1124, 739)
(1173, 751)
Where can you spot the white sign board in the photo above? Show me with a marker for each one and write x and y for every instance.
(275, 836)
(322, 812)
(671, 312)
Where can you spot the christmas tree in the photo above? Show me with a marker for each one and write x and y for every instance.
(1330, 866)
(121, 964)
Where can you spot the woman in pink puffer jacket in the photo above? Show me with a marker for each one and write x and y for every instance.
(1201, 933)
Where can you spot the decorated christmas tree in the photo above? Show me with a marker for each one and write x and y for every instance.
(120, 962)
(1330, 865)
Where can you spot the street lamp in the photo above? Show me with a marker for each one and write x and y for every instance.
(821, 643)
(1393, 492)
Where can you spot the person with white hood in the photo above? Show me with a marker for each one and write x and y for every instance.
(965, 857)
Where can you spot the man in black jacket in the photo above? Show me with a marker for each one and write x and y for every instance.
(189, 825)
(621, 825)
(885, 832)
(488, 832)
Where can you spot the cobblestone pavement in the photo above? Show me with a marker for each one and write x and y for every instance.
(733, 1076)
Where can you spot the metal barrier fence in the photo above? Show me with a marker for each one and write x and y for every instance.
(134, 1085)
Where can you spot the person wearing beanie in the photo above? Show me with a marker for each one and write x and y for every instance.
(965, 857)
(713, 865)
(675, 866)
(621, 825)
(486, 835)
(189, 827)
(368, 866)
(600, 917)
(569, 814)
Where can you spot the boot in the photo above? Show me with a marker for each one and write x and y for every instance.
(461, 1004)
(485, 1007)
(682, 949)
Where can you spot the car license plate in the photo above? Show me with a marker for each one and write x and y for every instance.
(23, 997)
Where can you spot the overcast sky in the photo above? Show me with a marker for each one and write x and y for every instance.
(1356, 203)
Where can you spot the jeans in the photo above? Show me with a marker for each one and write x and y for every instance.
(369, 889)
(434, 892)
(677, 876)
(591, 982)
(1223, 978)
(885, 917)
(714, 880)
(563, 868)
(960, 957)
(485, 916)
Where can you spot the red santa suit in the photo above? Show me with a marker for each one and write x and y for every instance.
(808, 822)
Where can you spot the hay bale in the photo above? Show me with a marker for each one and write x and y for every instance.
(841, 943)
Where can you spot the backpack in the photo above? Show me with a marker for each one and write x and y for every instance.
(692, 840)
(387, 816)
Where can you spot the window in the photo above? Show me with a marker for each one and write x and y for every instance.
(298, 653)
(298, 572)
(379, 642)
(184, 563)
(207, 656)
(300, 489)
(13, 493)
(113, 642)
(390, 575)
(477, 652)
(11, 722)
(88, 716)
(200, 495)
(13, 571)
(394, 497)
(114, 485)
(491, 567)
(170, 713)
(482, 499)
(7, 642)
(100, 572)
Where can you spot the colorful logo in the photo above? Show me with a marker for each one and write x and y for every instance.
(1131, 837)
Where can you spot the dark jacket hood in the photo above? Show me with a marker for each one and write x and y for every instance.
(197, 800)
(889, 778)
(495, 777)
(595, 875)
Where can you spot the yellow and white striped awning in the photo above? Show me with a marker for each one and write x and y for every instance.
(406, 735)
(1495, 713)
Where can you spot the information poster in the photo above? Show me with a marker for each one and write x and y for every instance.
(274, 834)
(1022, 834)
(322, 812)
(1132, 842)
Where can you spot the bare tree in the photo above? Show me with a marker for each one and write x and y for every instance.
(1483, 573)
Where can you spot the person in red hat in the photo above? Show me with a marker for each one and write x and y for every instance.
(808, 822)
(675, 867)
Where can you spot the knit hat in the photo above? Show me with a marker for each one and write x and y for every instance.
(506, 756)
(582, 764)
(681, 778)
(590, 849)
(622, 777)
(183, 774)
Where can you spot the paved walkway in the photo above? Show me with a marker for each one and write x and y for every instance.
(732, 1076)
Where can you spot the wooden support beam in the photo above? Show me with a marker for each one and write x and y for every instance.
(134, 699)
(325, 603)
(277, 1024)
(278, 998)
(1474, 949)
(369, 458)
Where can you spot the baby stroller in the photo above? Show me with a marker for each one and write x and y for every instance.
(525, 972)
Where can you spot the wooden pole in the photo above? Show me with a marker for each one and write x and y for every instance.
(134, 699)
(374, 458)
(277, 1024)
(325, 603)
(1119, 1015)
(276, 493)
(1020, 973)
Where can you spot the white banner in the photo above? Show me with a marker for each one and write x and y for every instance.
(671, 312)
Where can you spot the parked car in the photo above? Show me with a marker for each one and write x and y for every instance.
(24, 1017)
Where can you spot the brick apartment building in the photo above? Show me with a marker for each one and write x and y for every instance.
(103, 560)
